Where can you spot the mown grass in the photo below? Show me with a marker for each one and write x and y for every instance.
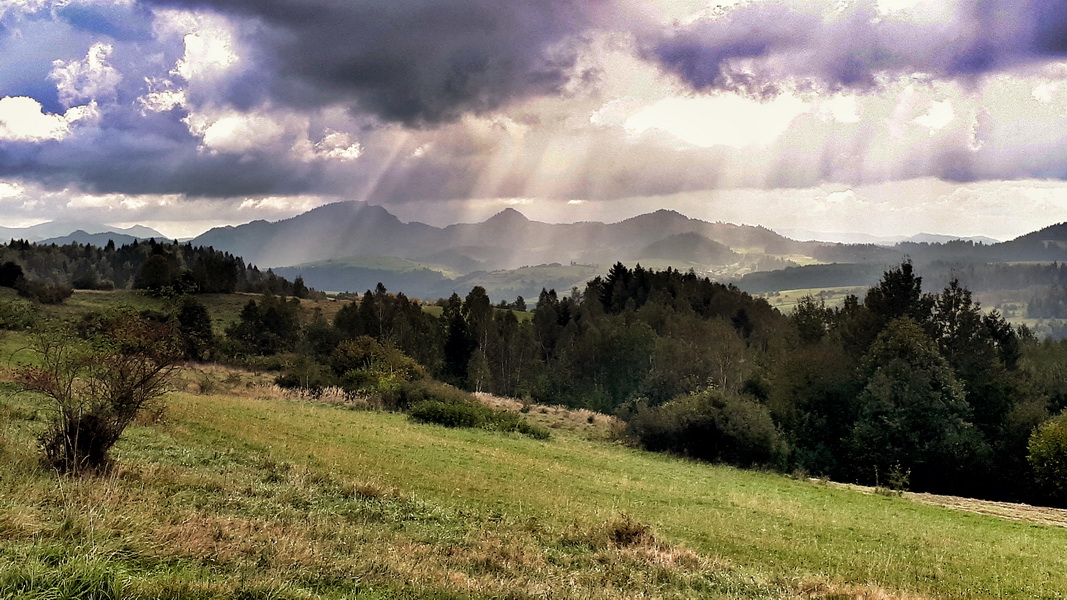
(787, 300)
(255, 498)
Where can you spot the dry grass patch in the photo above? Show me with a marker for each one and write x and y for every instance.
(587, 424)
(822, 590)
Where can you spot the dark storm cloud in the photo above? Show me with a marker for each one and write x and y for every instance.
(418, 62)
(757, 47)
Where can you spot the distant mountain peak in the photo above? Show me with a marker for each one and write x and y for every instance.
(508, 215)
(663, 215)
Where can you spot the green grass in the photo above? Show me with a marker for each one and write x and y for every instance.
(382, 263)
(787, 300)
(528, 281)
(521, 315)
(225, 309)
(247, 497)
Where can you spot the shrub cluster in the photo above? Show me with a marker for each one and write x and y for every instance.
(45, 293)
(444, 405)
(711, 425)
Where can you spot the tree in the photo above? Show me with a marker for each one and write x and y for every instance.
(912, 413)
(10, 273)
(300, 290)
(97, 386)
(194, 325)
(269, 327)
(368, 366)
(899, 294)
(1048, 458)
(159, 275)
(811, 319)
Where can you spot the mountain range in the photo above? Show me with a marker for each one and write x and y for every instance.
(64, 231)
(351, 246)
(507, 240)
(881, 240)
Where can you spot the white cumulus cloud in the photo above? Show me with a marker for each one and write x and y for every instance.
(208, 40)
(23, 119)
(92, 78)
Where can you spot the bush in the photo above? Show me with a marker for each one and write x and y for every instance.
(42, 292)
(1048, 458)
(15, 315)
(443, 404)
(365, 365)
(711, 425)
(98, 386)
(410, 393)
(449, 414)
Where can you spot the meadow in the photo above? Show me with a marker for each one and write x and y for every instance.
(238, 494)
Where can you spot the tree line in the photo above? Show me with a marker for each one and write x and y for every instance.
(157, 267)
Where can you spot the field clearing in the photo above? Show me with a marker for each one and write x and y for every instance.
(225, 309)
(255, 497)
(381, 263)
(521, 315)
(787, 300)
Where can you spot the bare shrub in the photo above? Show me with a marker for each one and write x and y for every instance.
(98, 384)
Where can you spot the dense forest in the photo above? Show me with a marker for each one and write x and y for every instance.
(901, 387)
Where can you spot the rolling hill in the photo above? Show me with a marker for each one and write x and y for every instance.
(239, 495)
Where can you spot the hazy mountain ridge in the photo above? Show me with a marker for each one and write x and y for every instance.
(46, 232)
(850, 237)
(93, 239)
(507, 240)
(341, 247)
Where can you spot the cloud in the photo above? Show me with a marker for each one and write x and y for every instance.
(418, 63)
(92, 78)
(23, 120)
(758, 48)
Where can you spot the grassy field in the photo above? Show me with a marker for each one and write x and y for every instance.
(238, 496)
(383, 263)
(225, 309)
(787, 300)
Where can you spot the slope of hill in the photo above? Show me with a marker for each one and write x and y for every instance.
(431, 281)
(1049, 243)
(524, 281)
(684, 249)
(881, 240)
(235, 495)
(357, 274)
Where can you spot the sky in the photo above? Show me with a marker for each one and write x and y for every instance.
(886, 117)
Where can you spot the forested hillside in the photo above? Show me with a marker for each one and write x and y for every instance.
(150, 265)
